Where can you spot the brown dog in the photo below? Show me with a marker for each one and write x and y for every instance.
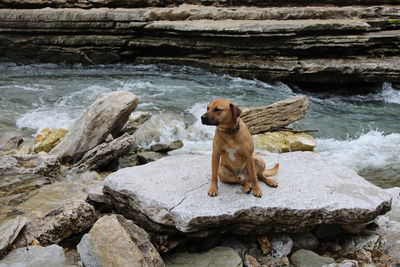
(233, 159)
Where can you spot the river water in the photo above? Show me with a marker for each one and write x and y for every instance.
(359, 131)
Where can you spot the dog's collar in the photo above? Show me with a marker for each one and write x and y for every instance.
(233, 130)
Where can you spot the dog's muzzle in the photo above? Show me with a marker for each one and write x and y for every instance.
(206, 120)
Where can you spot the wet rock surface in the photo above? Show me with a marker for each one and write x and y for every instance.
(21, 176)
(107, 115)
(182, 203)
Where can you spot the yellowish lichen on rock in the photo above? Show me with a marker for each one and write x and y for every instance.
(285, 142)
(48, 138)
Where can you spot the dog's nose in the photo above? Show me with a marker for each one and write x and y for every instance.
(204, 118)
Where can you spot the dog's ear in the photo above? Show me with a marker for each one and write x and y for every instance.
(235, 111)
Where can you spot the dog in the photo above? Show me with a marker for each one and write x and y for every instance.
(233, 158)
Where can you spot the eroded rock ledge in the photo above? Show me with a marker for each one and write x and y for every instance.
(171, 195)
(300, 45)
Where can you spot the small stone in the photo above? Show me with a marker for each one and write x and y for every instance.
(250, 261)
(363, 256)
(281, 245)
(35, 256)
(219, 256)
(161, 147)
(266, 246)
(345, 263)
(308, 258)
(367, 242)
(149, 156)
(130, 160)
(272, 261)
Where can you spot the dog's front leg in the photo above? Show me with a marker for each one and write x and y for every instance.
(213, 191)
(251, 168)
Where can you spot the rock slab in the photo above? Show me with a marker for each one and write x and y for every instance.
(107, 115)
(171, 193)
(9, 231)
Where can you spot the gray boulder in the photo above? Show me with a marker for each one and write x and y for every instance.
(115, 241)
(35, 256)
(104, 153)
(308, 258)
(9, 231)
(72, 218)
(107, 115)
(171, 193)
(219, 256)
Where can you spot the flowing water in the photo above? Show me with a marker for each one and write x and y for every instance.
(359, 131)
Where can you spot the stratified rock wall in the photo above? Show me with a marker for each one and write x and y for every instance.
(164, 3)
(330, 44)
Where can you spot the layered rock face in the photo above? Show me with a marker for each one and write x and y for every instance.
(301, 45)
(171, 195)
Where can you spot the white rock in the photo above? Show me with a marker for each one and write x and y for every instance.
(281, 245)
(172, 193)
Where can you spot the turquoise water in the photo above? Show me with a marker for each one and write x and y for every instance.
(360, 131)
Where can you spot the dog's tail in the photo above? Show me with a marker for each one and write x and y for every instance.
(271, 172)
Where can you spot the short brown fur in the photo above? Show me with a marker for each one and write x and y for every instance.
(233, 158)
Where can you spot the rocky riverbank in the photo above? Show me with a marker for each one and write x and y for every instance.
(322, 212)
(313, 47)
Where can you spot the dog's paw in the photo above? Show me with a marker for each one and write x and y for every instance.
(271, 182)
(257, 192)
(213, 191)
(247, 188)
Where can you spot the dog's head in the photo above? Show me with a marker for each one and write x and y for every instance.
(221, 112)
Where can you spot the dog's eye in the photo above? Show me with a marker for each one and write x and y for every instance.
(218, 109)
(208, 108)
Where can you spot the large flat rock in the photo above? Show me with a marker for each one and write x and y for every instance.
(172, 193)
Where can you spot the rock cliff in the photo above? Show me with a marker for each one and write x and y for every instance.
(308, 46)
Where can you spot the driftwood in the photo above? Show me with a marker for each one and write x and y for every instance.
(276, 115)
